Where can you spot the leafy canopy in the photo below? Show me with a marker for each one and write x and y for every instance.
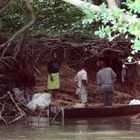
(117, 23)
(57, 17)
(53, 16)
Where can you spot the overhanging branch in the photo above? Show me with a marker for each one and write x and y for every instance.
(112, 4)
(80, 4)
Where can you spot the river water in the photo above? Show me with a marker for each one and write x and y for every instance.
(114, 128)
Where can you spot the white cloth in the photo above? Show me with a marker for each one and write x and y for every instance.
(82, 93)
(134, 102)
(81, 89)
(40, 99)
(81, 75)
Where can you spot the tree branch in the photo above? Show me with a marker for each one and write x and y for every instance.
(112, 4)
(80, 4)
(118, 2)
(22, 113)
(8, 43)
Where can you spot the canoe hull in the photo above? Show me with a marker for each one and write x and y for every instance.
(100, 111)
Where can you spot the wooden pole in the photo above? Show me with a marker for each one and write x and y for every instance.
(63, 117)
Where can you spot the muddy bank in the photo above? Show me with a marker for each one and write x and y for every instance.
(29, 71)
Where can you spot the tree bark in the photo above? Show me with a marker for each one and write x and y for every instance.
(119, 2)
(112, 4)
(80, 4)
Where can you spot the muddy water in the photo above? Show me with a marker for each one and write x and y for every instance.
(118, 128)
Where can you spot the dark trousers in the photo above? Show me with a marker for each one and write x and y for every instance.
(107, 98)
(107, 94)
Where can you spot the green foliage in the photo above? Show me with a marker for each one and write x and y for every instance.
(13, 18)
(134, 6)
(130, 58)
(57, 17)
(116, 23)
(53, 16)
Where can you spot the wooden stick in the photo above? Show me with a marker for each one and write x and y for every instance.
(3, 106)
(22, 113)
(3, 119)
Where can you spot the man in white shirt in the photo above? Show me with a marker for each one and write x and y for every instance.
(81, 80)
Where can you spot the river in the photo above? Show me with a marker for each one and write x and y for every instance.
(113, 128)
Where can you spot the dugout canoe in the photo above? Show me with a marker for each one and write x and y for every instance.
(97, 111)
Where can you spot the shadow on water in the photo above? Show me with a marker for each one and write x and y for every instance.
(117, 128)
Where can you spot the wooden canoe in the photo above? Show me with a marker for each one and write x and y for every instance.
(98, 111)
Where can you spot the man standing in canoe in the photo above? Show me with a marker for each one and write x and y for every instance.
(53, 74)
(81, 80)
(105, 79)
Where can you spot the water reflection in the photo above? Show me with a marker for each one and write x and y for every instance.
(98, 124)
(119, 128)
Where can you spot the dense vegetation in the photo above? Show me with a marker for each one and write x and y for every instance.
(51, 17)
(110, 19)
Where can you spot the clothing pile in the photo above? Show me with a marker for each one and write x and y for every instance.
(134, 102)
(40, 100)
